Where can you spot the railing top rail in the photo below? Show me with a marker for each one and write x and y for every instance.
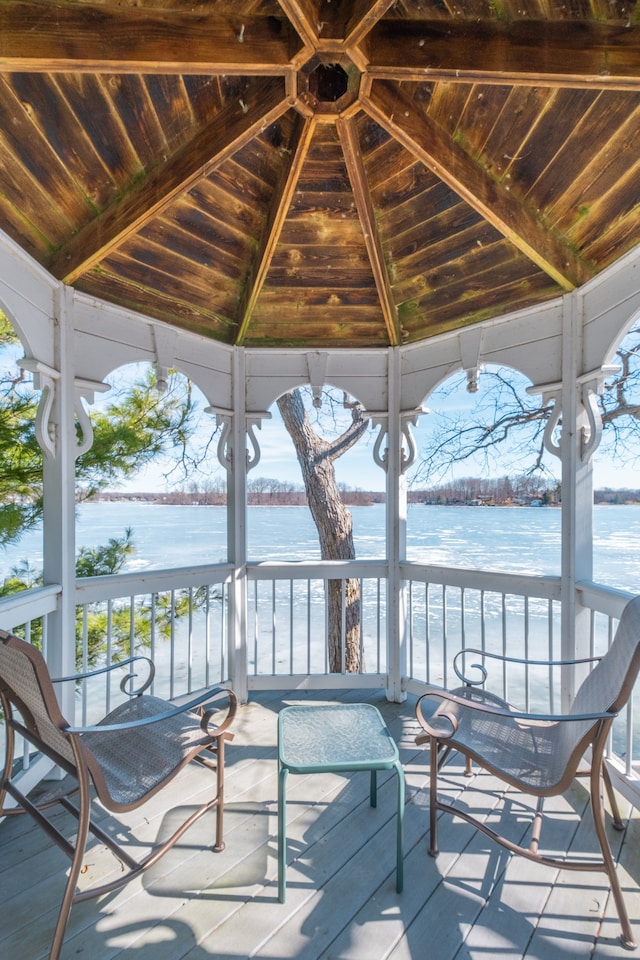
(315, 569)
(544, 587)
(605, 600)
(29, 605)
(90, 589)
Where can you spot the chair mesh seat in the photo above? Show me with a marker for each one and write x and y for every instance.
(153, 742)
(133, 762)
(539, 755)
(533, 755)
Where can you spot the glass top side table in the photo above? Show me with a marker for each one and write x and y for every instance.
(335, 737)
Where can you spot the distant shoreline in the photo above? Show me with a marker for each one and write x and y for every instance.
(352, 498)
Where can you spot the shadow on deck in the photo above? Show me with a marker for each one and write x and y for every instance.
(474, 901)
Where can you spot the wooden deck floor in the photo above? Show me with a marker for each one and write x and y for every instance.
(472, 902)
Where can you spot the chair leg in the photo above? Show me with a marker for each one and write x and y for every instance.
(400, 828)
(626, 935)
(433, 796)
(618, 822)
(8, 752)
(219, 844)
(76, 865)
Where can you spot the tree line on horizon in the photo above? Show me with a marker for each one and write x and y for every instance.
(265, 491)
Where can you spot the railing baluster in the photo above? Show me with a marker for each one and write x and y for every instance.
(291, 626)
(172, 628)
(190, 643)
(427, 634)
(527, 672)
(308, 626)
(445, 654)
(273, 627)
(505, 685)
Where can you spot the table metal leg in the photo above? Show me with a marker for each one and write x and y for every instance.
(282, 833)
(399, 843)
(373, 789)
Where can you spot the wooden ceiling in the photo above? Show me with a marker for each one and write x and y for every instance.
(308, 173)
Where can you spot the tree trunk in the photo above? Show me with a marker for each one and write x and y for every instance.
(333, 522)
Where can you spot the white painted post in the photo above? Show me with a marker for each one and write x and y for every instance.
(396, 523)
(59, 504)
(577, 499)
(237, 531)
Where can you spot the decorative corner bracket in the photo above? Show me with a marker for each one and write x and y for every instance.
(225, 443)
(590, 386)
(253, 421)
(44, 379)
(224, 419)
(408, 448)
(380, 456)
(550, 393)
(86, 390)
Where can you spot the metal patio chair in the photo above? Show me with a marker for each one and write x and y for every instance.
(539, 755)
(122, 761)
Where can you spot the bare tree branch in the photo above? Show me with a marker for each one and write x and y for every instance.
(505, 426)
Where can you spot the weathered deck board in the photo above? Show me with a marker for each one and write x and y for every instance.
(472, 902)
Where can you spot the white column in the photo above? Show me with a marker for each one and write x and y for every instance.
(59, 502)
(237, 530)
(577, 497)
(396, 523)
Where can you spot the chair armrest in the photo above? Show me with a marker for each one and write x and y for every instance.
(220, 729)
(532, 719)
(485, 654)
(167, 714)
(112, 666)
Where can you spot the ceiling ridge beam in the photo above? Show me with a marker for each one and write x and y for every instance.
(278, 210)
(521, 78)
(527, 52)
(361, 23)
(79, 38)
(235, 125)
(397, 113)
(347, 131)
(303, 16)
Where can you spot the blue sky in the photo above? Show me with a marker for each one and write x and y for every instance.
(357, 468)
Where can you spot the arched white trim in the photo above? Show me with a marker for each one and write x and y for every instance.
(28, 296)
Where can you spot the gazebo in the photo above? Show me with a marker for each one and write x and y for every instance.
(368, 195)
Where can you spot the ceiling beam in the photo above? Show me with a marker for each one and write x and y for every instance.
(364, 16)
(335, 22)
(303, 16)
(536, 53)
(78, 37)
(348, 133)
(397, 113)
(236, 124)
(278, 210)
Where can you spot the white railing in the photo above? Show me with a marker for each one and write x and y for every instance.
(178, 618)
(26, 613)
(181, 619)
(514, 615)
(287, 624)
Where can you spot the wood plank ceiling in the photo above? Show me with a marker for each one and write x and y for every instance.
(321, 172)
